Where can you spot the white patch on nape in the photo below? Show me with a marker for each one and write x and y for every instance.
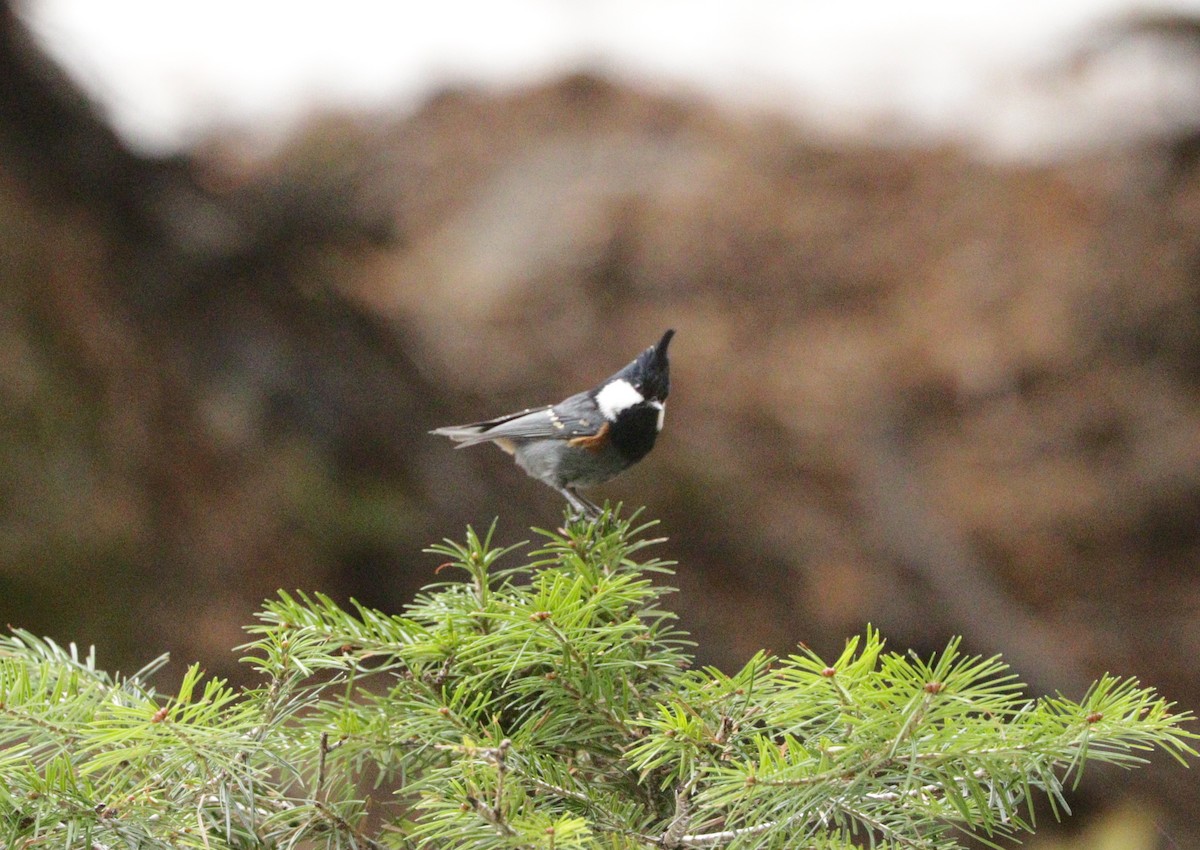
(616, 397)
(661, 406)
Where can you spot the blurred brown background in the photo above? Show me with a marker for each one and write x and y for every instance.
(911, 387)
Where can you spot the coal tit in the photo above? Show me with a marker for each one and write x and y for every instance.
(588, 438)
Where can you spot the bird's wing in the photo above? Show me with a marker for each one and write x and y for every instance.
(564, 421)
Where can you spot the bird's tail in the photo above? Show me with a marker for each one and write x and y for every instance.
(465, 435)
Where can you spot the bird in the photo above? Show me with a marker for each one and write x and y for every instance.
(588, 438)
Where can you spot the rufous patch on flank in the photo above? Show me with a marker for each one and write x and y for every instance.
(594, 442)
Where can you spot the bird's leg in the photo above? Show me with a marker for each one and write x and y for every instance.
(579, 505)
(593, 509)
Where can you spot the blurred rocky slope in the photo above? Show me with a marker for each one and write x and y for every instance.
(910, 388)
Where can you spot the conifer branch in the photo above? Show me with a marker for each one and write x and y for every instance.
(550, 704)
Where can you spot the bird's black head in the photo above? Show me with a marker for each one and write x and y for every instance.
(633, 401)
(650, 372)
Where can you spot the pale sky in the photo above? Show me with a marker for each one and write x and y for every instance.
(988, 73)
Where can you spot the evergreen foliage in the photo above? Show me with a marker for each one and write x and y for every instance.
(546, 705)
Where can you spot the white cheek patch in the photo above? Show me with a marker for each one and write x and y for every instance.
(616, 397)
(661, 406)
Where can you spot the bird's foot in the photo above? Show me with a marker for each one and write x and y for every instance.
(581, 508)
